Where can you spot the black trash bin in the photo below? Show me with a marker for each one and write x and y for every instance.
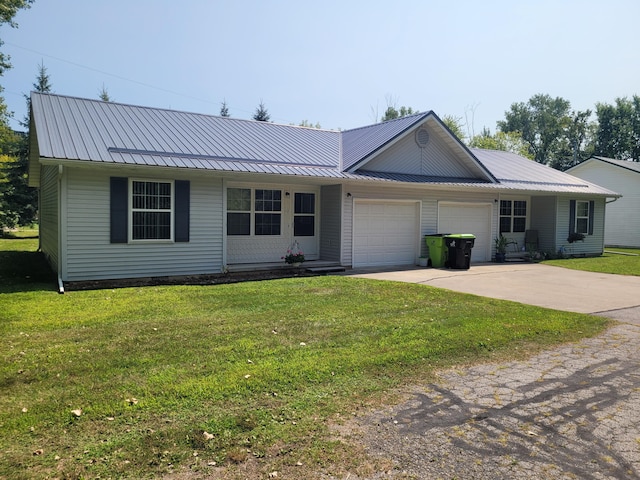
(459, 245)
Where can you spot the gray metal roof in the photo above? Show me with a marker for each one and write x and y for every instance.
(519, 173)
(69, 128)
(360, 143)
(74, 128)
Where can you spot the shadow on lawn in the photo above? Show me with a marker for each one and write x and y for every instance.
(22, 271)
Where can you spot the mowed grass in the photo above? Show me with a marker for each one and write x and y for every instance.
(209, 380)
(626, 261)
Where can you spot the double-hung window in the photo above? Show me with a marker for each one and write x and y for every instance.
(239, 211)
(151, 210)
(513, 216)
(582, 217)
(254, 211)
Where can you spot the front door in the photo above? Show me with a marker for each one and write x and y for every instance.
(305, 223)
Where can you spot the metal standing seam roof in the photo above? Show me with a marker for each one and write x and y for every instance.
(70, 128)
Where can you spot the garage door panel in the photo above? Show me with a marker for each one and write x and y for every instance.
(385, 233)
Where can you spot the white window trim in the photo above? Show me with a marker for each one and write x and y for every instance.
(578, 217)
(253, 211)
(512, 216)
(131, 210)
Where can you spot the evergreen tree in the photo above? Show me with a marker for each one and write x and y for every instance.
(261, 115)
(10, 142)
(42, 85)
(224, 109)
(18, 201)
(104, 95)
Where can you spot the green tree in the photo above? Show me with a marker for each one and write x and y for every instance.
(8, 10)
(618, 131)
(391, 113)
(455, 125)
(308, 124)
(262, 114)
(541, 123)
(504, 141)
(104, 94)
(18, 201)
(10, 142)
(224, 109)
(577, 142)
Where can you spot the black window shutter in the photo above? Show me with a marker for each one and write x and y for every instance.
(591, 216)
(119, 209)
(182, 206)
(572, 217)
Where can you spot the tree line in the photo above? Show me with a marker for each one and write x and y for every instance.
(544, 129)
(549, 131)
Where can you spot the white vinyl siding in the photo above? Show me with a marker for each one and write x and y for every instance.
(91, 256)
(435, 159)
(622, 221)
(473, 218)
(592, 244)
(543, 219)
(49, 215)
(330, 222)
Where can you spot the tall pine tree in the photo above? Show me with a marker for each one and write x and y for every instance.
(18, 201)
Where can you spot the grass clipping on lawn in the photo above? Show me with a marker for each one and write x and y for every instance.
(143, 382)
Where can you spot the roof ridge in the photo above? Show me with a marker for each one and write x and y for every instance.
(187, 112)
(389, 121)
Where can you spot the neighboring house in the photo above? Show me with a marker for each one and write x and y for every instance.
(622, 223)
(129, 192)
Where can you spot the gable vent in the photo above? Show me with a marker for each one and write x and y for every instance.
(422, 137)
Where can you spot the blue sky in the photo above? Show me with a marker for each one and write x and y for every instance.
(329, 62)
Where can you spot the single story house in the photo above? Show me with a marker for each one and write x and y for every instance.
(129, 191)
(622, 223)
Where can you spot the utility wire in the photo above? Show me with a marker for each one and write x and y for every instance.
(119, 77)
(79, 65)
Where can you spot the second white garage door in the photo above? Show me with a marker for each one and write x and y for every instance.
(385, 233)
(472, 218)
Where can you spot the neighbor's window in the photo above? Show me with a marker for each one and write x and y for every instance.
(513, 216)
(151, 210)
(582, 217)
(256, 210)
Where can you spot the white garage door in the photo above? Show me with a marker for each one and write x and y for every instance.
(385, 233)
(472, 218)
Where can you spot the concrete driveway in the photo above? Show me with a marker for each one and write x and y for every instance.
(568, 412)
(614, 296)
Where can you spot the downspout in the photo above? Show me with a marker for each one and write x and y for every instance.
(59, 262)
(615, 199)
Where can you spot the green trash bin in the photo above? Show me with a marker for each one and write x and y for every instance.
(438, 252)
(459, 247)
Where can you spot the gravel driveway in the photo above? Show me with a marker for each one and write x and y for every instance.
(572, 412)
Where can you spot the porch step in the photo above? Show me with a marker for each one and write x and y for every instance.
(336, 268)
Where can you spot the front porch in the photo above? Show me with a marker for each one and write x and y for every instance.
(315, 266)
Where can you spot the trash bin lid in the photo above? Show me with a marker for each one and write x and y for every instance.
(461, 235)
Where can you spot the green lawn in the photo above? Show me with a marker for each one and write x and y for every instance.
(625, 262)
(227, 379)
